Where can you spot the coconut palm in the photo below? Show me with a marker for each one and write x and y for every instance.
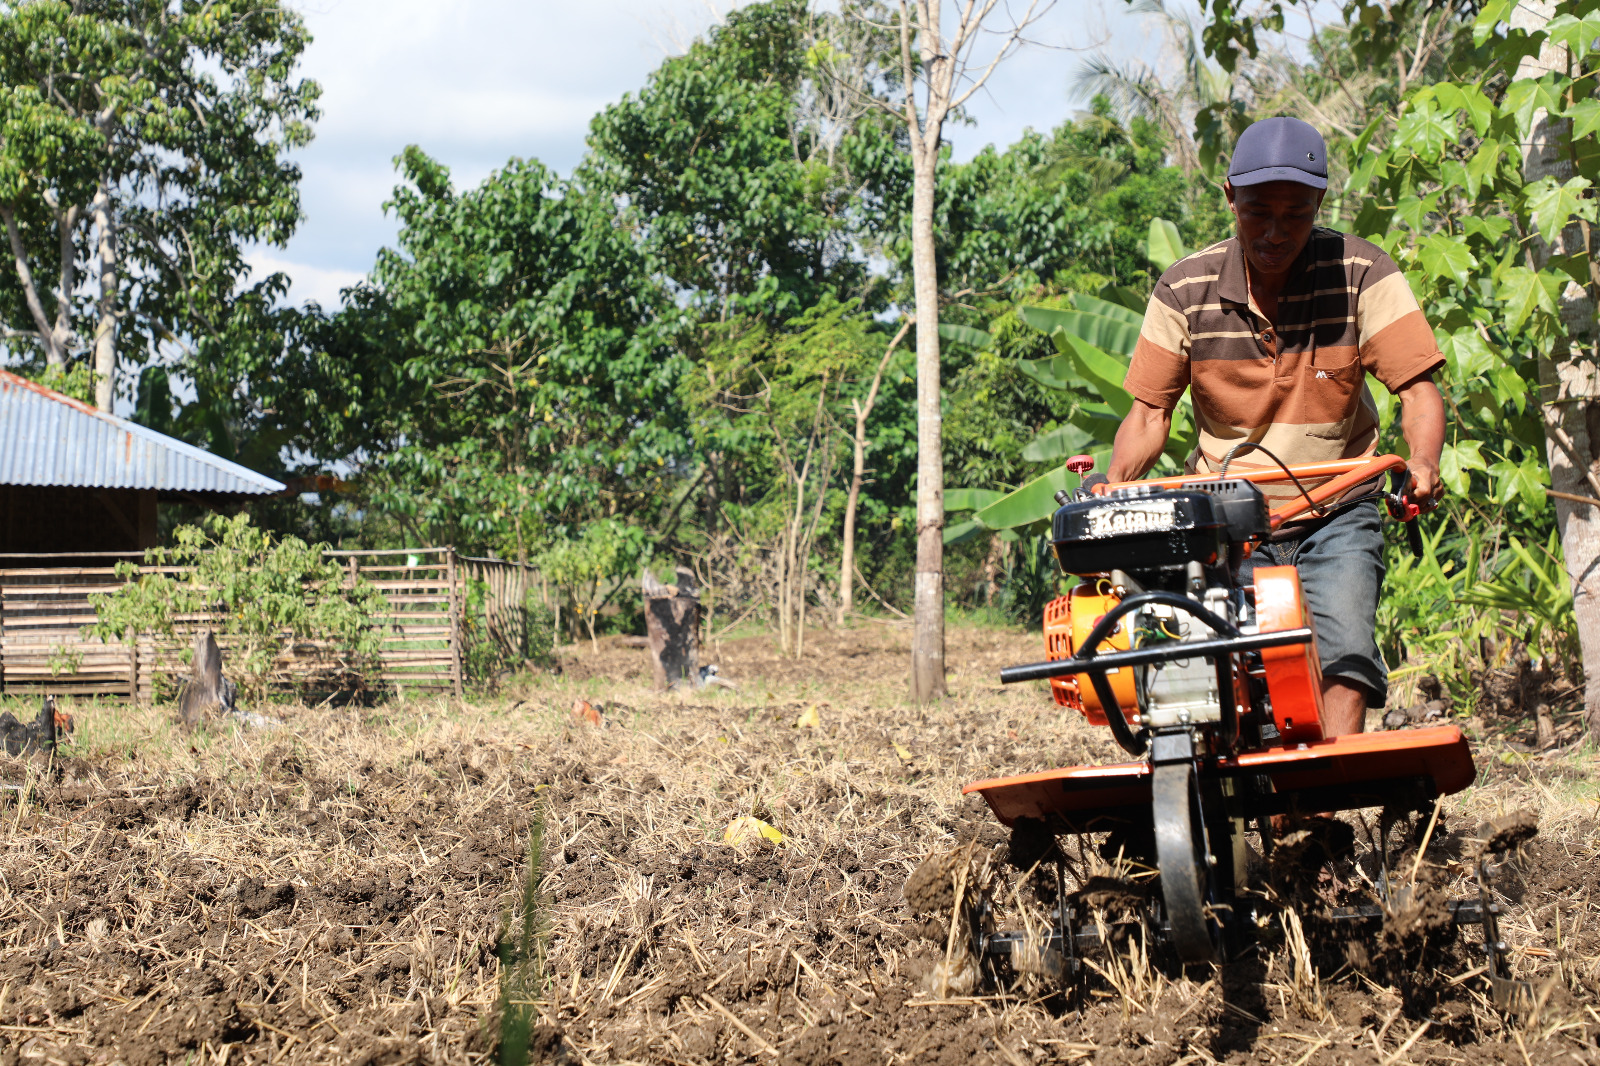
(1171, 99)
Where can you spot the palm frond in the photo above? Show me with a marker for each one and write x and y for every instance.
(1133, 88)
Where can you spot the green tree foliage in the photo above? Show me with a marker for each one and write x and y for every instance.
(742, 205)
(1479, 180)
(266, 591)
(1066, 211)
(535, 347)
(772, 405)
(142, 148)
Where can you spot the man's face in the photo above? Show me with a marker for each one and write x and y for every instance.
(1275, 220)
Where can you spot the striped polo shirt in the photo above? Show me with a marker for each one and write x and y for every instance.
(1299, 389)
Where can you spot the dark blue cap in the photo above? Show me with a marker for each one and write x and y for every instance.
(1279, 149)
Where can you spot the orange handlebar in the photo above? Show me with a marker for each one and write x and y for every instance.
(1345, 474)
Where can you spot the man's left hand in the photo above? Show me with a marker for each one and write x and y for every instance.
(1422, 424)
(1426, 489)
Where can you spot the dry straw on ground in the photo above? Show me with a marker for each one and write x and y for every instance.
(338, 890)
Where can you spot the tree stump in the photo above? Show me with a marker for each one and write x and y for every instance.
(672, 620)
(205, 691)
(42, 734)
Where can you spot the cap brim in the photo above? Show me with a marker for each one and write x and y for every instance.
(1266, 174)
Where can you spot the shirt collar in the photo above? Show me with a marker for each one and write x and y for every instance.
(1232, 284)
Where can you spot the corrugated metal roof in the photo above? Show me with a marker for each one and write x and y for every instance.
(50, 439)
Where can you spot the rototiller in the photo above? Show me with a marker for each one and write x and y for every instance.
(1215, 686)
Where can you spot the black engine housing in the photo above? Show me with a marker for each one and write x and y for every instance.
(1141, 529)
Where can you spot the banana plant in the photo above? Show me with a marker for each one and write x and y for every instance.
(959, 500)
(1094, 339)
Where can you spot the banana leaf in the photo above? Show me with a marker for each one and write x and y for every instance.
(1054, 373)
(1104, 373)
(1111, 332)
(969, 499)
(966, 335)
(1060, 443)
(1164, 247)
(963, 531)
(1124, 296)
(1106, 305)
(1035, 500)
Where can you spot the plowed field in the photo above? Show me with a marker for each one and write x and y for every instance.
(353, 886)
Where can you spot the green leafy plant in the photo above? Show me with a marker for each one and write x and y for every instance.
(1094, 339)
(531, 642)
(1031, 580)
(523, 948)
(264, 592)
(1532, 586)
(590, 566)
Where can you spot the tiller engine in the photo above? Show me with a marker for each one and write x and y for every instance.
(1214, 686)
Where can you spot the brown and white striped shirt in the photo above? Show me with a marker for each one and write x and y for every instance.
(1299, 389)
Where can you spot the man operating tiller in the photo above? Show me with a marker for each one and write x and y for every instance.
(1274, 330)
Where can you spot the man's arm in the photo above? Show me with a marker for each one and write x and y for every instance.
(1422, 425)
(1142, 436)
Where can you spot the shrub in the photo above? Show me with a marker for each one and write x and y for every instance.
(267, 593)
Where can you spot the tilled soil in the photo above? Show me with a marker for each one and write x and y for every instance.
(331, 892)
(340, 889)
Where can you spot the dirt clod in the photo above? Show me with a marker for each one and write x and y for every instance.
(1508, 832)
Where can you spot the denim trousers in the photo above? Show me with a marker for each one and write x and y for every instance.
(1340, 559)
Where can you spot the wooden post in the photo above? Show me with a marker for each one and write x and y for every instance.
(132, 644)
(457, 607)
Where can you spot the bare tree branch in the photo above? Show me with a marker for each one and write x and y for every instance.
(30, 291)
(1013, 41)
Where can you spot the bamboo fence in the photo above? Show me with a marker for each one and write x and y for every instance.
(424, 627)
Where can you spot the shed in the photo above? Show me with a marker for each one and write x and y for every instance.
(74, 479)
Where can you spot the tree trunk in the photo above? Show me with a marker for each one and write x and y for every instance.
(863, 411)
(55, 354)
(847, 558)
(672, 622)
(927, 641)
(949, 82)
(1570, 389)
(1569, 379)
(105, 334)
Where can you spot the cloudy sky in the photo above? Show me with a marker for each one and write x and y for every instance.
(475, 82)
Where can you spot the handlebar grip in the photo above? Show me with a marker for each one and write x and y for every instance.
(1414, 537)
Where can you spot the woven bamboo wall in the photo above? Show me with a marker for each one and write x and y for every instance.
(43, 610)
(508, 587)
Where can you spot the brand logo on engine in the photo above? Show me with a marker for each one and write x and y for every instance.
(1152, 516)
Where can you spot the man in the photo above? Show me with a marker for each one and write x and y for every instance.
(1274, 330)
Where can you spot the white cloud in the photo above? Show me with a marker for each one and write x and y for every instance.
(476, 82)
(306, 282)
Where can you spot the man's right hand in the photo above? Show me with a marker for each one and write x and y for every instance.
(1140, 440)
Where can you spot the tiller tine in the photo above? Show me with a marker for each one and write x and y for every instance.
(1507, 993)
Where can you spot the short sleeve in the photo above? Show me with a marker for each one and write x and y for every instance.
(1159, 371)
(1397, 345)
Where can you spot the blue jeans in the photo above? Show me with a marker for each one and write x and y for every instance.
(1340, 559)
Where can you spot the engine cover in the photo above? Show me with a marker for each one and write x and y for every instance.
(1142, 529)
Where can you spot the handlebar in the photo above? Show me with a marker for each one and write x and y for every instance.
(1342, 474)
